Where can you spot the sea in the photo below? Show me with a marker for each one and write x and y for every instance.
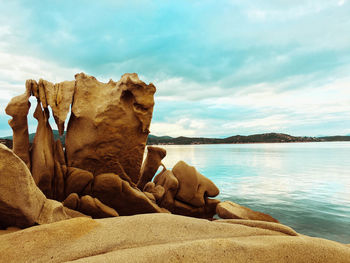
(304, 185)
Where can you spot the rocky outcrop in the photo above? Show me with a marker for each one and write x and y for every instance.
(42, 154)
(150, 165)
(78, 180)
(18, 108)
(166, 238)
(184, 191)
(231, 210)
(22, 204)
(111, 190)
(193, 186)
(99, 171)
(169, 182)
(109, 125)
(89, 206)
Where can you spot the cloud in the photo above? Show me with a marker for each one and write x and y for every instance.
(221, 68)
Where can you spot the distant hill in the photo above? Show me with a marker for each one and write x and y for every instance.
(255, 138)
(337, 138)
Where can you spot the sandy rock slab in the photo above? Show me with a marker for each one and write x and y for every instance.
(166, 238)
(231, 210)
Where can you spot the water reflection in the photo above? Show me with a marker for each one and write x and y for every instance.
(304, 185)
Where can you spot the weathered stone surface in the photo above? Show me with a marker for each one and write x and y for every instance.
(109, 124)
(157, 191)
(18, 108)
(231, 210)
(193, 186)
(21, 200)
(59, 153)
(114, 192)
(150, 165)
(60, 174)
(72, 201)
(42, 154)
(169, 182)
(22, 204)
(94, 208)
(77, 180)
(60, 100)
(166, 238)
(206, 211)
(52, 211)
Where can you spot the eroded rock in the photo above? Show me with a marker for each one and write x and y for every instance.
(94, 208)
(157, 191)
(22, 204)
(109, 124)
(231, 210)
(21, 200)
(193, 186)
(169, 182)
(118, 194)
(150, 165)
(18, 108)
(77, 180)
(42, 154)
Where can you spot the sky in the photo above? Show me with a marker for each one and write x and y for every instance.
(221, 68)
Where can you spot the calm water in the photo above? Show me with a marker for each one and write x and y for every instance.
(303, 185)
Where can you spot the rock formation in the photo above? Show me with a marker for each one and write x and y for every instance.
(166, 238)
(110, 189)
(109, 125)
(99, 174)
(193, 186)
(42, 153)
(22, 204)
(150, 165)
(18, 108)
(99, 171)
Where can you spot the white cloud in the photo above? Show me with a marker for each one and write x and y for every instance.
(16, 69)
(181, 127)
(274, 122)
(341, 2)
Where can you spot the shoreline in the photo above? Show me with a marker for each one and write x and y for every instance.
(241, 143)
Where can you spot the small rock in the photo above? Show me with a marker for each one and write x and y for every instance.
(231, 210)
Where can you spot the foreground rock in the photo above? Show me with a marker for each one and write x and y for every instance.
(231, 210)
(22, 204)
(166, 238)
(109, 125)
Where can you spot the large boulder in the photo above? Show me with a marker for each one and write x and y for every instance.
(77, 180)
(22, 204)
(193, 186)
(169, 182)
(231, 210)
(89, 206)
(114, 192)
(21, 200)
(109, 125)
(166, 238)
